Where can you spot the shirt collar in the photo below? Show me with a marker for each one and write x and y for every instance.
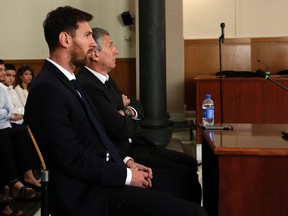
(3, 86)
(102, 78)
(70, 76)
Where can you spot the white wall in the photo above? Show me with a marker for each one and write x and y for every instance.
(202, 18)
(243, 18)
(259, 18)
(174, 56)
(21, 34)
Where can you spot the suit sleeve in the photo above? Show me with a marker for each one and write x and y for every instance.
(136, 104)
(117, 126)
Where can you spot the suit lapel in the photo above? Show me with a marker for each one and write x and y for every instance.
(67, 83)
(93, 80)
(61, 77)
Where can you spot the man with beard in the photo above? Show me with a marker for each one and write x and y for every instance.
(89, 176)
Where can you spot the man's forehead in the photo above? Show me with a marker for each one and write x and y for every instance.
(84, 26)
(107, 39)
(10, 72)
(2, 67)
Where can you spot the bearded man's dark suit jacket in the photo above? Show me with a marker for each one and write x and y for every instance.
(70, 146)
(120, 128)
(82, 181)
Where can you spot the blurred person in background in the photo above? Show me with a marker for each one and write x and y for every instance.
(16, 105)
(25, 75)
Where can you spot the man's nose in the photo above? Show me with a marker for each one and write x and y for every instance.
(94, 44)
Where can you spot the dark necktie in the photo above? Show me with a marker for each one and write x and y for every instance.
(105, 139)
(108, 84)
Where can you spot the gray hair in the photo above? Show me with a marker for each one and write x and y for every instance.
(98, 34)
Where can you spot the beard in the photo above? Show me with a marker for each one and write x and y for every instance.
(78, 56)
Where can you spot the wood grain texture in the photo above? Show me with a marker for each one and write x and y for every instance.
(124, 74)
(239, 54)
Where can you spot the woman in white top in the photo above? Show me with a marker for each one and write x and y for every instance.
(24, 78)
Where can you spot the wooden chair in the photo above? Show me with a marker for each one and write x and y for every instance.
(44, 178)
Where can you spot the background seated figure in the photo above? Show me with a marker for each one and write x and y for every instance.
(25, 75)
(16, 105)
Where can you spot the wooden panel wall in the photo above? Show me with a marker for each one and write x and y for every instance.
(36, 64)
(124, 73)
(272, 51)
(202, 57)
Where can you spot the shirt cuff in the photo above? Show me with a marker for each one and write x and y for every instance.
(128, 177)
(127, 158)
(129, 172)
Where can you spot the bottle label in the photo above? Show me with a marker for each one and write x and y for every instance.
(208, 113)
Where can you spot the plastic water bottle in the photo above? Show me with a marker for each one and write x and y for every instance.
(208, 111)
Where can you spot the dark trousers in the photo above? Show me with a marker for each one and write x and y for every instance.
(159, 157)
(16, 154)
(7, 159)
(32, 156)
(173, 164)
(184, 185)
(137, 201)
(128, 201)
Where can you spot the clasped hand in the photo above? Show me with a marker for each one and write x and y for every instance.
(16, 117)
(141, 175)
(126, 101)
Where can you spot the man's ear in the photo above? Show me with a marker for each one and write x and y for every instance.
(64, 39)
(94, 55)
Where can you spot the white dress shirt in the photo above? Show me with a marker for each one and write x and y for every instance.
(14, 100)
(22, 94)
(5, 111)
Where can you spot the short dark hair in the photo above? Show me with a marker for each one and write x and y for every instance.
(10, 67)
(62, 19)
(1, 61)
(98, 34)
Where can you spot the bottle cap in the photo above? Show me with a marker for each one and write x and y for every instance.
(208, 96)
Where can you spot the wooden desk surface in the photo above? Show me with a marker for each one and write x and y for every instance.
(255, 139)
(244, 171)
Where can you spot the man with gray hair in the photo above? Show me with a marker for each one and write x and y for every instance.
(121, 116)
